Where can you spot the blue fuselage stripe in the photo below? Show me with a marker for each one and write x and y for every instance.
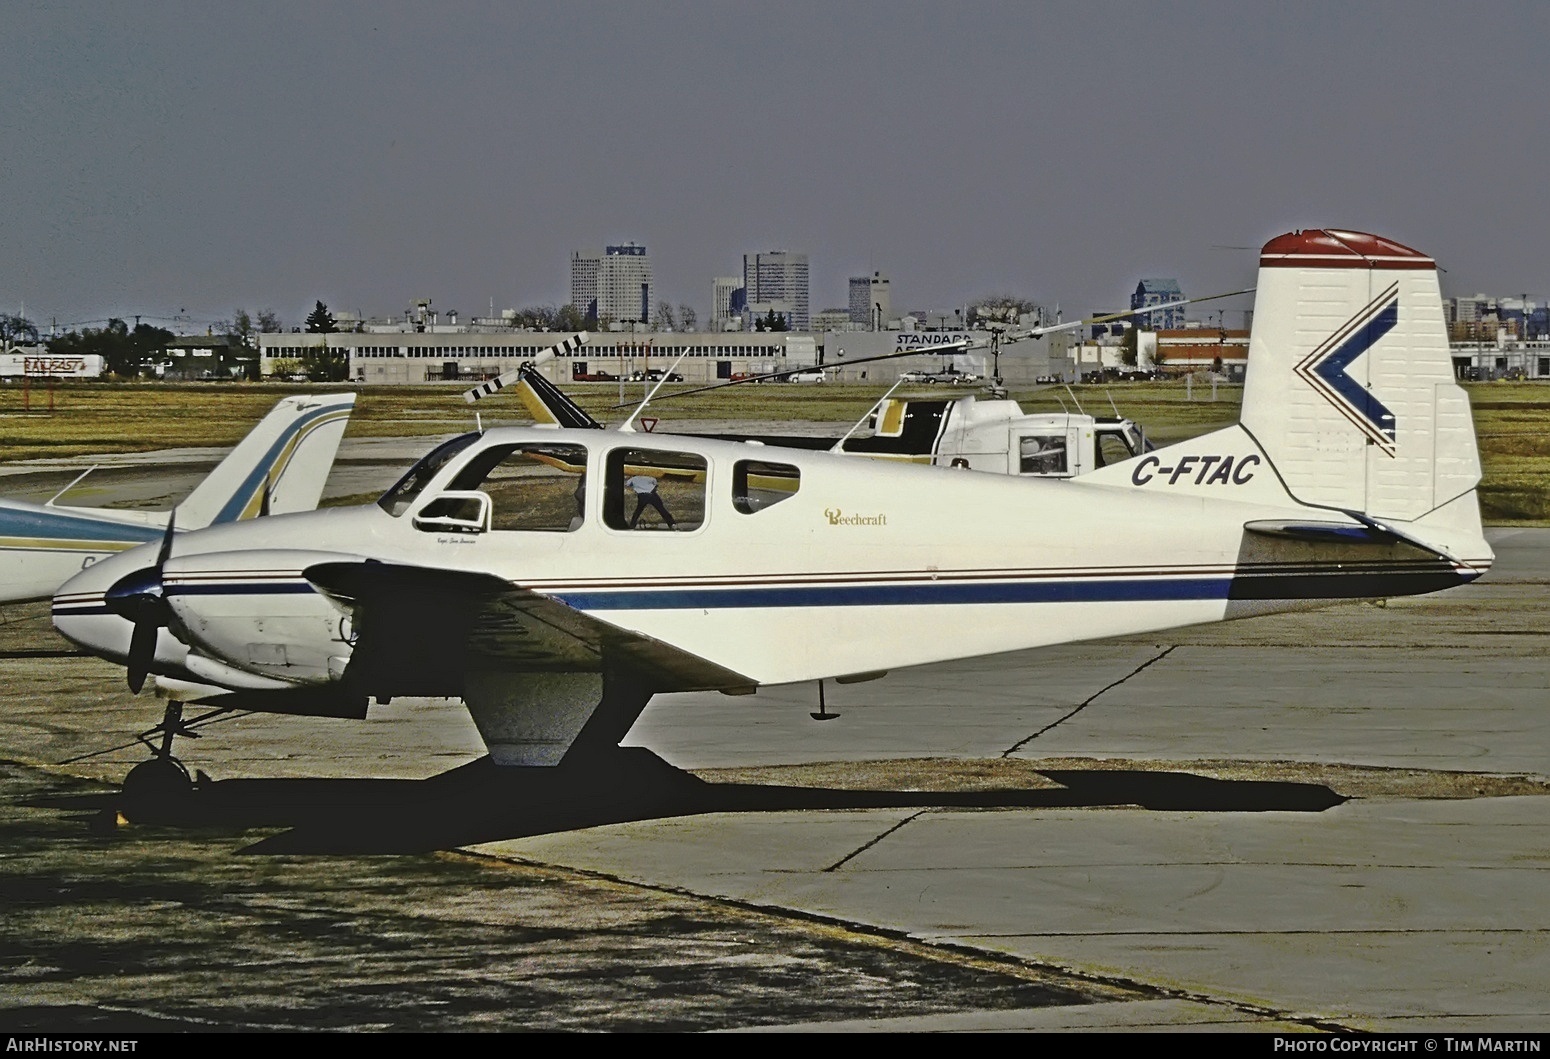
(1310, 584)
(899, 595)
(46, 524)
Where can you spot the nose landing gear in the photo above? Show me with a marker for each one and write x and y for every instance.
(164, 776)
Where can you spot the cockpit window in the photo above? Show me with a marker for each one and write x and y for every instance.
(531, 487)
(397, 499)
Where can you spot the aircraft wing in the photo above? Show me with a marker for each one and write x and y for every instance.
(425, 628)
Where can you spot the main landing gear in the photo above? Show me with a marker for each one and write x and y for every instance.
(164, 776)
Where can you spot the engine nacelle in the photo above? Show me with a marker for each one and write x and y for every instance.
(255, 612)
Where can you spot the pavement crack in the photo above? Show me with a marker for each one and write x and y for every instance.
(868, 845)
(1015, 747)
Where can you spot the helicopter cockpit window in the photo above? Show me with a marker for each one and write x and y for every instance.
(758, 485)
(1112, 448)
(654, 489)
(397, 499)
(1041, 454)
(531, 487)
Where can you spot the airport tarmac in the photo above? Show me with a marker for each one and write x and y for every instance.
(1318, 821)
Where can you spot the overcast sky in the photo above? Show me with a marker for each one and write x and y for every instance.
(170, 159)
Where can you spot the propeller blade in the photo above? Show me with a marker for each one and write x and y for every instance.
(166, 542)
(139, 596)
(142, 652)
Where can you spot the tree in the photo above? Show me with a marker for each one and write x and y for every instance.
(125, 353)
(1129, 346)
(240, 327)
(771, 321)
(325, 364)
(570, 318)
(17, 330)
(320, 321)
(269, 322)
(687, 317)
(664, 319)
(1004, 308)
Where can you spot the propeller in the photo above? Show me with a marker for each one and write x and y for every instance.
(141, 597)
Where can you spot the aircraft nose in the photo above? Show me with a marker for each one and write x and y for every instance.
(84, 613)
(138, 596)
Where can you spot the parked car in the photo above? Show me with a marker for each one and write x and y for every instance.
(954, 377)
(656, 375)
(808, 375)
(594, 376)
(951, 376)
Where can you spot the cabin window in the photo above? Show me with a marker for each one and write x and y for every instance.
(531, 487)
(758, 485)
(654, 489)
(1041, 454)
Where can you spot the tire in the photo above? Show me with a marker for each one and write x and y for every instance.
(158, 778)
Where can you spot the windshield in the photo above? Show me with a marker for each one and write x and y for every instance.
(397, 499)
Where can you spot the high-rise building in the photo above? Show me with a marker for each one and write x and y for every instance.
(1158, 292)
(871, 305)
(614, 284)
(778, 276)
(726, 302)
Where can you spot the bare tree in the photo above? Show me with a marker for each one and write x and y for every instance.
(664, 318)
(687, 317)
(17, 330)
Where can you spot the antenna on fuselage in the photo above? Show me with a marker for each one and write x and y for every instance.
(1080, 410)
(74, 482)
(627, 426)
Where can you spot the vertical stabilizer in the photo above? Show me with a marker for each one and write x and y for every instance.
(1350, 387)
(281, 466)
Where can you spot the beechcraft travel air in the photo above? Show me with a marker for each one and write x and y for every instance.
(280, 466)
(503, 569)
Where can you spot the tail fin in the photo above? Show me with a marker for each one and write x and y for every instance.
(280, 466)
(1350, 389)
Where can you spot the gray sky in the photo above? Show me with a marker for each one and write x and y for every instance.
(168, 157)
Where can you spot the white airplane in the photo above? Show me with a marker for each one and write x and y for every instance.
(503, 569)
(280, 466)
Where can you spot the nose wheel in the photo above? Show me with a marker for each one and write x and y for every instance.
(164, 776)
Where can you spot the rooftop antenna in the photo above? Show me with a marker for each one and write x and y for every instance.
(1074, 400)
(626, 426)
(839, 446)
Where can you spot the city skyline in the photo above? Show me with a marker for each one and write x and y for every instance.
(171, 160)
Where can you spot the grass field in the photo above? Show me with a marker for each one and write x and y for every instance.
(1512, 419)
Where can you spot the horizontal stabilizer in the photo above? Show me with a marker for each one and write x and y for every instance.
(1366, 531)
(1319, 532)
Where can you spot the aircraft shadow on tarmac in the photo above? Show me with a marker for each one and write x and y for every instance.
(481, 802)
